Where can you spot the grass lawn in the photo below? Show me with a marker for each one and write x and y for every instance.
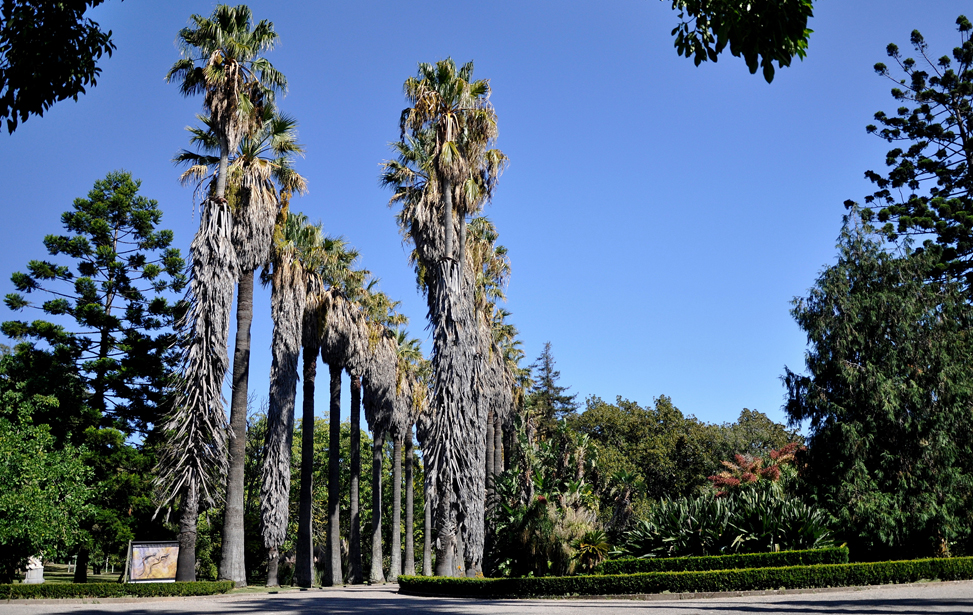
(58, 573)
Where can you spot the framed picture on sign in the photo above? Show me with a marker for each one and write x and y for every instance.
(153, 562)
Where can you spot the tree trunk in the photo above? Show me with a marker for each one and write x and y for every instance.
(333, 570)
(490, 461)
(445, 549)
(395, 567)
(188, 515)
(273, 562)
(232, 567)
(81, 567)
(462, 245)
(458, 433)
(498, 455)
(304, 566)
(490, 471)
(376, 575)
(354, 547)
(409, 567)
(459, 551)
(426, 522)
(448, 219)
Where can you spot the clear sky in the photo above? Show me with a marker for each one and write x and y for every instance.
(659, 217)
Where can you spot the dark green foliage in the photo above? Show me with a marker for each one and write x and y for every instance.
(48, 52)
(666, 453)
(928, 189)
(823, 575)
(762, 31)
(121, 261)
(887, 396)
(113, 590)
(807, 557)
(759, 518)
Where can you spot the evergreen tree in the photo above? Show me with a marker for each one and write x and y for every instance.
(927, 191)
(547, 401)
(887, 395)
(118, 339)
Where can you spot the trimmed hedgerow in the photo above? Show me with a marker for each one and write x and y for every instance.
(113, 590)
(820, 575)
(632, 565)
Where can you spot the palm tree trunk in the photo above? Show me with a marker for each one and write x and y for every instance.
(445, 548)
(448, 218)
(490, 460)
(409, 567)
(395, 567)
(459, 550)
(188, 515)
(304, 567)
(232, 567)
(458, 434)
(490, 470)
(333, 570)
(273, 564)
(354, 548)
(426, 522)
(376, 575)
(498, 465)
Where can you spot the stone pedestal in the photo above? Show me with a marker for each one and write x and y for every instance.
(34, 576)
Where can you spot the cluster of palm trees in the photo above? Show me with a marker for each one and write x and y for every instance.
(459, 403)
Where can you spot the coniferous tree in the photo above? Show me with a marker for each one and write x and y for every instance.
(547, 401)
(927, 191)
(887, 395)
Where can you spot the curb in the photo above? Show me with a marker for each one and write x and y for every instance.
(707, 595)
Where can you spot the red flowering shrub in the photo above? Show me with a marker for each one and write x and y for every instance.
(749, 469)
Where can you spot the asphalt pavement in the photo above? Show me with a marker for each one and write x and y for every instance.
(954, 597)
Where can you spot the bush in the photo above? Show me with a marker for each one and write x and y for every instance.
(821, 575)
(755, 519)
(631, 565)
(113, 590)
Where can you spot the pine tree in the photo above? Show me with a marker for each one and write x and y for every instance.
(548, 402)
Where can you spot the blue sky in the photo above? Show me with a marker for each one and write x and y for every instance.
(659, 217)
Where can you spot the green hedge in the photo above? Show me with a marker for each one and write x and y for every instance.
(820, 575)
(112, 590)
(632, 565)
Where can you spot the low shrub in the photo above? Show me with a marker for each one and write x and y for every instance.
(820, 575)
(113, 590)
(631, 565)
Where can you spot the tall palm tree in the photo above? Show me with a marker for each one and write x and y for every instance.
(413, 376)
(491, 268)
(292, 276)
(335, 271)
(337, 279)
(386, 408)
(261, 163)
(339, 339)
(445, 172)
(221, 61)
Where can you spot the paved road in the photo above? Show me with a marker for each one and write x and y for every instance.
(954, 598)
